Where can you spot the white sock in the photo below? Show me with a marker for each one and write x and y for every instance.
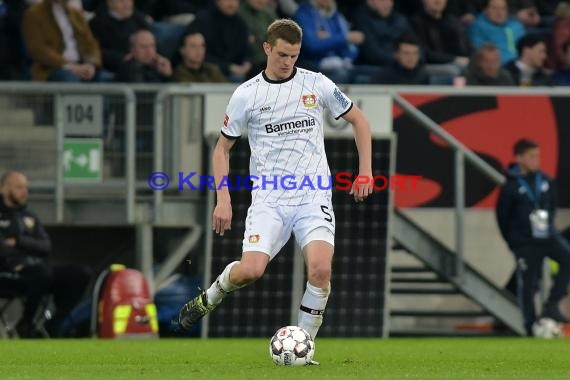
(222, 286)
(312, 309)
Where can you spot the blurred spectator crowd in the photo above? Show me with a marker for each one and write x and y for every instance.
(444, 42)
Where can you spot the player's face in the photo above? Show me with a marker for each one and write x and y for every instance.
(15, 190)
(281, 59)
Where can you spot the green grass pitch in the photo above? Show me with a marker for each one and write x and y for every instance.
(236, 359)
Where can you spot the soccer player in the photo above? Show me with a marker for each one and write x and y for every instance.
(282, 109)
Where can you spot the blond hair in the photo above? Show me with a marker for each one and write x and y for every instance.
(285, 29)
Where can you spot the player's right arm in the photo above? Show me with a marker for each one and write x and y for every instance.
(222, 219)
(233, 125)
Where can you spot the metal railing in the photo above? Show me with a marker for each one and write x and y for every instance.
(161, 99)
(57, 90)
(462, 154)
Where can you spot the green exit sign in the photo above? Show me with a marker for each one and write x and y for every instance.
(82, 159)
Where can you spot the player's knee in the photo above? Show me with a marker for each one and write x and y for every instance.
(250, 273)
(320, 274)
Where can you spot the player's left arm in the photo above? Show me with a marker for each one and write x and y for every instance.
(363, 138)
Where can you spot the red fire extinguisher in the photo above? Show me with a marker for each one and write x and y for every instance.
(123, 306)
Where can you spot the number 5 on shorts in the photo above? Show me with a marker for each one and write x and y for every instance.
(325, 211)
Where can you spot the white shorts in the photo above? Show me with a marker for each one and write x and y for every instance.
(268, 227)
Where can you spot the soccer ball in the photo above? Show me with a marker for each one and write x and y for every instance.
(291, 346)
(547, 328)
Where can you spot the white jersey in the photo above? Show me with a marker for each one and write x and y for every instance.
(284, 122)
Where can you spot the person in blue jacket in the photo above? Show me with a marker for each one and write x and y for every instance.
(329, 45)
(494, 25)
(525, 215)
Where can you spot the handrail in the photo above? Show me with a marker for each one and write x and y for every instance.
(437, 130)
(59, 89)
(462, 153)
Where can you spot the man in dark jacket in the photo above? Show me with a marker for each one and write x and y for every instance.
(193, 69)
(145, 64)
(24, 244)
(382, 26)
(227, 38)
(407, 68)
(24, 247)
(485, 68)
(112, 26)
(528, 69)
(525, 214)
(443, 37)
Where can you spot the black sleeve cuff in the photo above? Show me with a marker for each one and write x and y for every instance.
(230, 137)
(345, 112)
